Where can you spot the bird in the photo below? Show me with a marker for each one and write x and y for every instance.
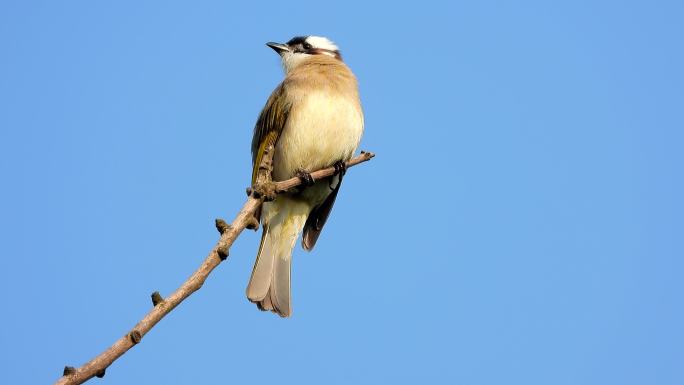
(313, 119)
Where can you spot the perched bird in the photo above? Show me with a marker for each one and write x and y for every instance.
(314, 120)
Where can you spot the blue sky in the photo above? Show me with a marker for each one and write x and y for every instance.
(521, 224)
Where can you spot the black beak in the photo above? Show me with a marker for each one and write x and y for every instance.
(278, 47)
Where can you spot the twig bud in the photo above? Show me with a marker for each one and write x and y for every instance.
(135, 337)
(252, 224)
(222, 250)
(222, 226)
(157, 298)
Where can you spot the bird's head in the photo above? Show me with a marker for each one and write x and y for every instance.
(300, 47)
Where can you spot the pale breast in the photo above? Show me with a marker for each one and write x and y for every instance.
(324, 126)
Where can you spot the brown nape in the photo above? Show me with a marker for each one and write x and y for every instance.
(323, 51)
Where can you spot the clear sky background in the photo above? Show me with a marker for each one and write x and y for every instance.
(521, 224)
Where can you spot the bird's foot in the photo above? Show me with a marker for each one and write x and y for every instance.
(266, 190)
(306, 178)
(340, 168)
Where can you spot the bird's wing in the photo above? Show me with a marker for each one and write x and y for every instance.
(269, 125)
(316, 220)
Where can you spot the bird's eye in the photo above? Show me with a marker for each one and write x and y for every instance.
(307, 46)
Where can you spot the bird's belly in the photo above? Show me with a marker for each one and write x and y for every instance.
(323, 130)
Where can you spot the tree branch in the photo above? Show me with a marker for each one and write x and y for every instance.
(262, 190)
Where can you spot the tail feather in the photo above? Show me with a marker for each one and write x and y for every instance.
(280, 286)
(265, 304)
(269, 286)
(316, 220)
(263, 269)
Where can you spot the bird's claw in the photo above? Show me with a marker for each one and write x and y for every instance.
(306, 178)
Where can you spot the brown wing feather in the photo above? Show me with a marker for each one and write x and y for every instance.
(269, 125)
(317, 218)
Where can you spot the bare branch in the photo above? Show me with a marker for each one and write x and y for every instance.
(262, 190)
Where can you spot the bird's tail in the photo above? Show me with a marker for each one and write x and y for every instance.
(269, 286)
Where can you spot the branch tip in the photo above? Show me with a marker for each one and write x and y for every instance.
(367, 154)
(157, 298)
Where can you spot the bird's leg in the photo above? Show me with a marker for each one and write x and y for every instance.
(306, 178)
(340, 169)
